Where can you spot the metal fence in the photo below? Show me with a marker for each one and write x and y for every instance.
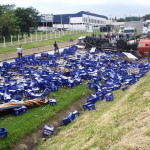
(35, 37)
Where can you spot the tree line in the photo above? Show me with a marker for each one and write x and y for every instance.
(134, 18)
(14, 21)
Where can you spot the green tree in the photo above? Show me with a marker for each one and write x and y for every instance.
(146, 17)
(1, 11)
(7, 20)
(133, 18)
(8, 7)
(8, 23)
(26, 18)
(120, 20)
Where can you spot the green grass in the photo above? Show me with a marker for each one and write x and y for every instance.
(118, 125)
(65, 38)
(20, 126)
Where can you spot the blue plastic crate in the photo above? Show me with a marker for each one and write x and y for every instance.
(69, 118)
(89, 106)
(100, 96)
(85, 106)
(3, 132)
(7, 78)
(109, 97)
(75, 113)
(92, 98)
(20, 110)
(48, 130)
(52, 102)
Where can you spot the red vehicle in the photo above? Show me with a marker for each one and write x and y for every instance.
(144, 47)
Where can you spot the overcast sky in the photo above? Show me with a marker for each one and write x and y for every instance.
(109, 8)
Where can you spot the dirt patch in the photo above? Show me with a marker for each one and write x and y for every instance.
(32, 141)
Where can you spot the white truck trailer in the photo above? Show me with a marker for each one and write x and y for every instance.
(133, 27)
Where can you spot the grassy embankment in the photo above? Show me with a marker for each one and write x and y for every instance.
(118, 125)
(20, 126)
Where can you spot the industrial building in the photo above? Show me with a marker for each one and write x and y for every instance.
(80, 21)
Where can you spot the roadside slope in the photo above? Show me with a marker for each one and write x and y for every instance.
(121, 124)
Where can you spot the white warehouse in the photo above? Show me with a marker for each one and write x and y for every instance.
(80, 21)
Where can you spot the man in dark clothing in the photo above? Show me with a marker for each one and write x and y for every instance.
(100, 35)
(56, 47)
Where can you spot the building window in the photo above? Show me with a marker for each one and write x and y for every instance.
(84, 19)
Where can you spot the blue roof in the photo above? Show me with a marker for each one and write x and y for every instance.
(65, 17)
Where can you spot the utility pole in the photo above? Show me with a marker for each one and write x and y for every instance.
(61, 23)
(110, 19)
(46, 30)
(52, 21)
(69, 23)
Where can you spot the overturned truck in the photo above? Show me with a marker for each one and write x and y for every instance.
(92, 41)
(124, 44)
(103, 43)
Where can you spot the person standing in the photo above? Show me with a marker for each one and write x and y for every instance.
(116, 37)
(56, 47)
(100, 35)
(19, 51)
(133, 36)
(109, 37)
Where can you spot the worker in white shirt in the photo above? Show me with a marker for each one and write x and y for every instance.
(19, 51)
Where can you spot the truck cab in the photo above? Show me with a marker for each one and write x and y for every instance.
(129, 31)
(121, 29)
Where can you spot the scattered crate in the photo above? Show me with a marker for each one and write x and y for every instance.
(19, 111)
(89, 106)
(109, 97)
(52, 102)
(48, 130)
(69, 118)
(3, 132)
